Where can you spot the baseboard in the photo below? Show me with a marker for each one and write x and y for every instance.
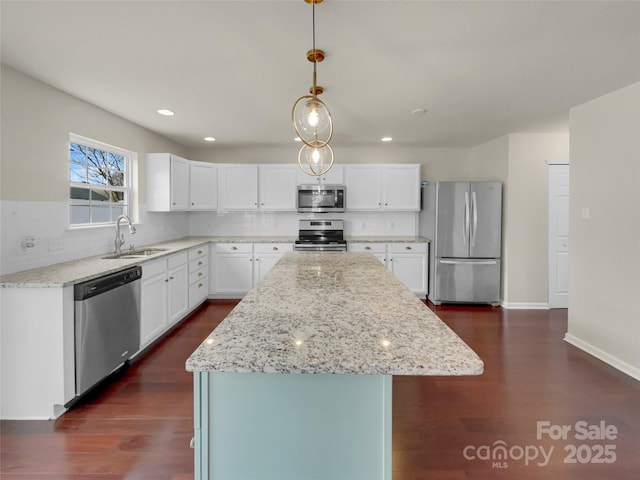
(607, 358)
(524, 306)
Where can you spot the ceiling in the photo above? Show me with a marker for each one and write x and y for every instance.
(233, 69)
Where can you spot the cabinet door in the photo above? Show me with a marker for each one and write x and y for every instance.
(179, 183)
(203, 183)
(401, 187)
(263, 264)
(238, 187)
(233, 273)
(153, 302)
(335, 176)
(411, 269)
(278, 187)
(177, 293)
(363, 187)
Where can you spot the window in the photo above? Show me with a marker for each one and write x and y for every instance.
(99, 182)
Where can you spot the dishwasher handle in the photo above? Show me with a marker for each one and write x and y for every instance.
(91, 288)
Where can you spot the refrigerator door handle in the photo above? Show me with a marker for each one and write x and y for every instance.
(469, 262)
(465, 224)
(474, 209)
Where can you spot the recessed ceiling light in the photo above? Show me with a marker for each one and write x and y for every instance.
(209, 139)
(164, 111)
(386, 139)
(418, 111)
(297, 139)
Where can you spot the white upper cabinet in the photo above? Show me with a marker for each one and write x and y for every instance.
(277, 188)
(363, 187)
(383, 187)
(401, 187)
(238, 186)
(167, 182)
(335, 176)
(203, 186)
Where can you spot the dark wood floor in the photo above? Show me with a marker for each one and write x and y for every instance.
(138, 427)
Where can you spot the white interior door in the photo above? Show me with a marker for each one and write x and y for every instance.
(558, 235)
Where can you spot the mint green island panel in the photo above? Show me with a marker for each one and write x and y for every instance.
(295, 426)
(295, 384)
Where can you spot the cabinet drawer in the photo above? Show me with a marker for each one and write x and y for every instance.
(197, 252)
(177, 260)
(272, 247)
(407, 248)
(151, 269)
(234, 248)
(368, 247)
(198, 292)
(197, 276)
(198, 263)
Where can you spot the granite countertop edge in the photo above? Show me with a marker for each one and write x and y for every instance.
(76, 271)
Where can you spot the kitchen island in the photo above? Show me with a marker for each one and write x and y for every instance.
(296, 382)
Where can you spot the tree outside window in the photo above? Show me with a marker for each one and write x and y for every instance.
(99, 182)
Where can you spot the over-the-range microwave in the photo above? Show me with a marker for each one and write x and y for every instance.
(321, 198)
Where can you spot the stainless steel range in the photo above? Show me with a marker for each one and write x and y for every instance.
(321, 236)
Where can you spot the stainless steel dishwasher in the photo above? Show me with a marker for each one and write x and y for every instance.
(107, 325)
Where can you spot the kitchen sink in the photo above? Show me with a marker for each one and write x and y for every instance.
(141, 253)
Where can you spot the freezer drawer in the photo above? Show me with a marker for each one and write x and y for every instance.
(467, 281)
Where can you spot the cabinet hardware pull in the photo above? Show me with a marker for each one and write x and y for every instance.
(199, 285)
(199, 252)
(170, 278)
(166, 279)
(192, 203)
(200, 263)
(275, 248)
(199, 274)
(234, 248)
(407, 248)
(367, 248)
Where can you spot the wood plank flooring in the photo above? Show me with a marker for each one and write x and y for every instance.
(138, 426)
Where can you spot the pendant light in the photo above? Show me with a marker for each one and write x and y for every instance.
(312, 120)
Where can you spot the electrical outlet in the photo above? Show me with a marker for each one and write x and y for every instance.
(27, 242)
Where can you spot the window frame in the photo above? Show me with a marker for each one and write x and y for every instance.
(126, 189)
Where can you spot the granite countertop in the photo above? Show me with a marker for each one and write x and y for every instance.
(332, 312)
(76, 271)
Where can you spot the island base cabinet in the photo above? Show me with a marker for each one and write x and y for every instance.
(275, 426)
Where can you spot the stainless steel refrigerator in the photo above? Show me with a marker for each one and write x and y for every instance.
(464, 222)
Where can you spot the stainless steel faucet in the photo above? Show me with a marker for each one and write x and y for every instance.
(120, 236)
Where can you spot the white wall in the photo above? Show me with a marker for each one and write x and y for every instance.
(526, 218)
(604, 260)
(36, 120)
(519, 161)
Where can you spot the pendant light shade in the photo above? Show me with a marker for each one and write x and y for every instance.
(312, 121)
(315, 161)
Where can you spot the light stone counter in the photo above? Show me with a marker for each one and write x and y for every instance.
(76, 271)
(334, 313)
(387, 239)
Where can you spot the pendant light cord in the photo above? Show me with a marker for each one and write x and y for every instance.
(313, 29)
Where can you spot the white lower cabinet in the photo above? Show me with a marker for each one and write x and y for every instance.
(233, 273)
(164, 296)
(265, 256)
(378, 249)
(408, 261)
(241, 266)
